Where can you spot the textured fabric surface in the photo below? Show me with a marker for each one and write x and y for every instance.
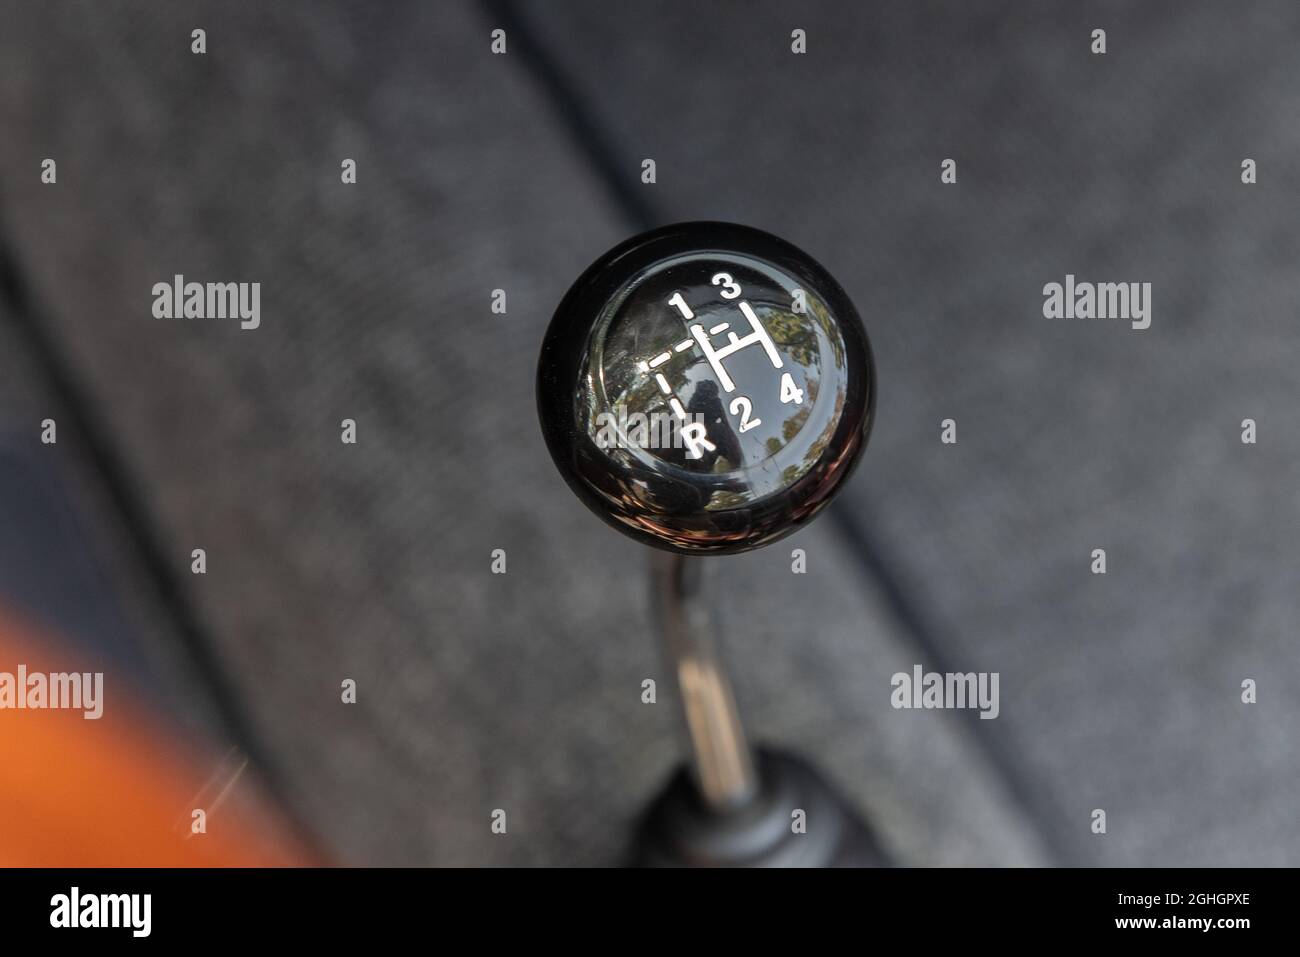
(1119, 692)
(69, 570)
(328, 561)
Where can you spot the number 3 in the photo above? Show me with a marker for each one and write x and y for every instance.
(730, 290)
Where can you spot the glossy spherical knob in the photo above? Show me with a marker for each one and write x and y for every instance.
(706, 388)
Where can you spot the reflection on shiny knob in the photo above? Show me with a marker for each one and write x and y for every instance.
(706, 388)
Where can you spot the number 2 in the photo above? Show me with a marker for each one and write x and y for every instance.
(742, 407)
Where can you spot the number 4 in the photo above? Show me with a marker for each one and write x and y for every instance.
(789, 392)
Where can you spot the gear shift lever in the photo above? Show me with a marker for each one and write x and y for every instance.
(722, 764)
(706, 388)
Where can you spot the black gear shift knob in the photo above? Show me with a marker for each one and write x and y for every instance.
(706, 388)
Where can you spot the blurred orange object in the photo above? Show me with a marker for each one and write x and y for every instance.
(117, 791)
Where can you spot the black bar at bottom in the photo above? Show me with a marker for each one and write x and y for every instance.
(329, 908)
